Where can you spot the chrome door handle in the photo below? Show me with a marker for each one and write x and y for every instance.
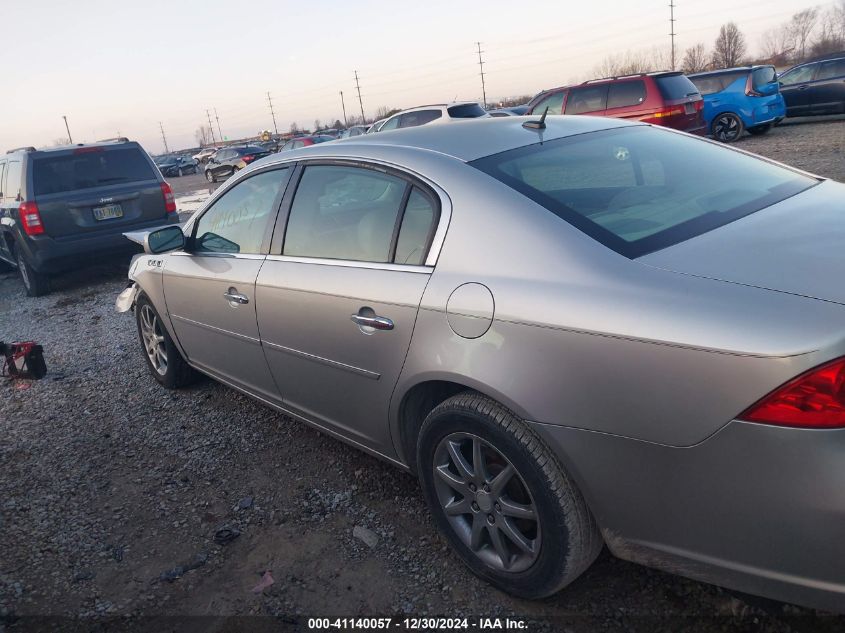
(235, 297)
(375, 322)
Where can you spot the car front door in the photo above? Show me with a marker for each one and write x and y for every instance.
(827, 92)
(210, 288)
(338, 301)
(795, 88)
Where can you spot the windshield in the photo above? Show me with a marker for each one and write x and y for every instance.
(639, 189)
(70, 172)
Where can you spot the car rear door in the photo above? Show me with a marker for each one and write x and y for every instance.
(626, 99)
(338, 299)
(827, 91)
(590, 99)
(210, 287)
(91, 190)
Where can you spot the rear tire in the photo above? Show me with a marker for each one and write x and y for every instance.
(539, 505)
(726, 127)
(163, 359)
(35, 283)
(757, 130)
(209, 176)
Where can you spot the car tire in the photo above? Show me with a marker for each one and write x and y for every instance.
(163, 359)
(726, 127)
(209, 176)
(561, 540)
(35, 283)
(179, 172)
(757, 130)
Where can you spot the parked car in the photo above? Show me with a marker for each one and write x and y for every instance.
(376, 126)
(305, 141)
(436, 113)
(513, 111)
(599, 332)
(355, 130)
(204, 154)
(334, 133)
(815, 88)
(737, 99)
(65, 207)
(663, 98)
(176, 165)
(228, 160)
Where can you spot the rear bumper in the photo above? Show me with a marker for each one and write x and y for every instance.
(756, 508)
(50, 255)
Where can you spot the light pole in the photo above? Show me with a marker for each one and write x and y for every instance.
(69, 139)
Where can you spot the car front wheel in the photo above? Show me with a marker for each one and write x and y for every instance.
(727, 127)
(210, 177)
(502, 499)
(163, 358)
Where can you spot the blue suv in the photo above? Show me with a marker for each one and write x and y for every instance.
(737, 99)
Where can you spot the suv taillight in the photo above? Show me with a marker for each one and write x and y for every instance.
(169, 200)
(749, 87)
(813, 400)
(30, 218)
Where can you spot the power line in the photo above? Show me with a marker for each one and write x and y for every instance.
(361, 103)
(218, 124)
(343, 105)
(481, 66)
(672, 29)
(211, 128)
(163, 138)
(272, 114)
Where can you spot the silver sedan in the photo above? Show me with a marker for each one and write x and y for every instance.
(577, 333)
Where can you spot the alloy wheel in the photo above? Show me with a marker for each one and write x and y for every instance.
(486, 502)
(22, 268)
(726, 128)
(152, 336)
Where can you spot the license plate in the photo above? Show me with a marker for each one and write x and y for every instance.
(689, 108)
(108, 212)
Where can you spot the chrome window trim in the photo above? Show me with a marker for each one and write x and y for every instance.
(351, 263)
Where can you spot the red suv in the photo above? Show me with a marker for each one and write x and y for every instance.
(664, 98)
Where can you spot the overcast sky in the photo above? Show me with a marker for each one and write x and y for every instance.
(126, 66)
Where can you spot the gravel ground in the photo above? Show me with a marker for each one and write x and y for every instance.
(112, 490)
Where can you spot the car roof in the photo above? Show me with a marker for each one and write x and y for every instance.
(466, 140)
(735, 69)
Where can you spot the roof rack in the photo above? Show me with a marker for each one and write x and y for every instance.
(651, 72)
(26, 148)
(116, 139)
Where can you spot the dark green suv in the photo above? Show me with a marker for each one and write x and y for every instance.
(64, 207)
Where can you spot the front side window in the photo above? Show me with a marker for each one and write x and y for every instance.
(798, 75)
(390, 124)
(640, 189)
(626, 93)
(237, 221)
(587, 99)
(831, 69)
(554, 102)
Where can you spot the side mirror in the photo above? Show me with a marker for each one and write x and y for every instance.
(168, 238)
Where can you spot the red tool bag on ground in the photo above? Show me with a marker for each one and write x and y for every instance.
(22, 360)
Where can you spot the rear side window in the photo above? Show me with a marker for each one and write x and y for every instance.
(587, 99)
(831, 69)
(625, 93)
(416, 230)
(709, 84)
(762, 76)
(674, 87)
(420, 117)
(554, 102)
(466, 111)
(13, 181)
(639, 189)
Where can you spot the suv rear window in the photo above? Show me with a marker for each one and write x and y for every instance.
(639, 189)
(466, 111)
(674, 87)
(89, 169)
(763, 76)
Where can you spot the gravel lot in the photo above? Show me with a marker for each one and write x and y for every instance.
(112, 490)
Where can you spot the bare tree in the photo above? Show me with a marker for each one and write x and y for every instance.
(830, 36)
(801, 26)
(203, 135)
(383, 112)
(695, 59)
(317, 124)
(729, 49)
(778, 45)
(57, 142)
(633, 62)
(294, 128)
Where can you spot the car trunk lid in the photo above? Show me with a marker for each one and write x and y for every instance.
(794, 246)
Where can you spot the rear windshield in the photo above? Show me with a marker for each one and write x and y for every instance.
(674, 87)
(90, 169)
(321, 139)
(251, 149)
(763, 76)
(466, 111)
(639, 189)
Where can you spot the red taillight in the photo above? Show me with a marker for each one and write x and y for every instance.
(749, 87)
(699, 105)
(815, 400)
(169, 200)
(660, 115)
(30, 218)
(247, 159)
